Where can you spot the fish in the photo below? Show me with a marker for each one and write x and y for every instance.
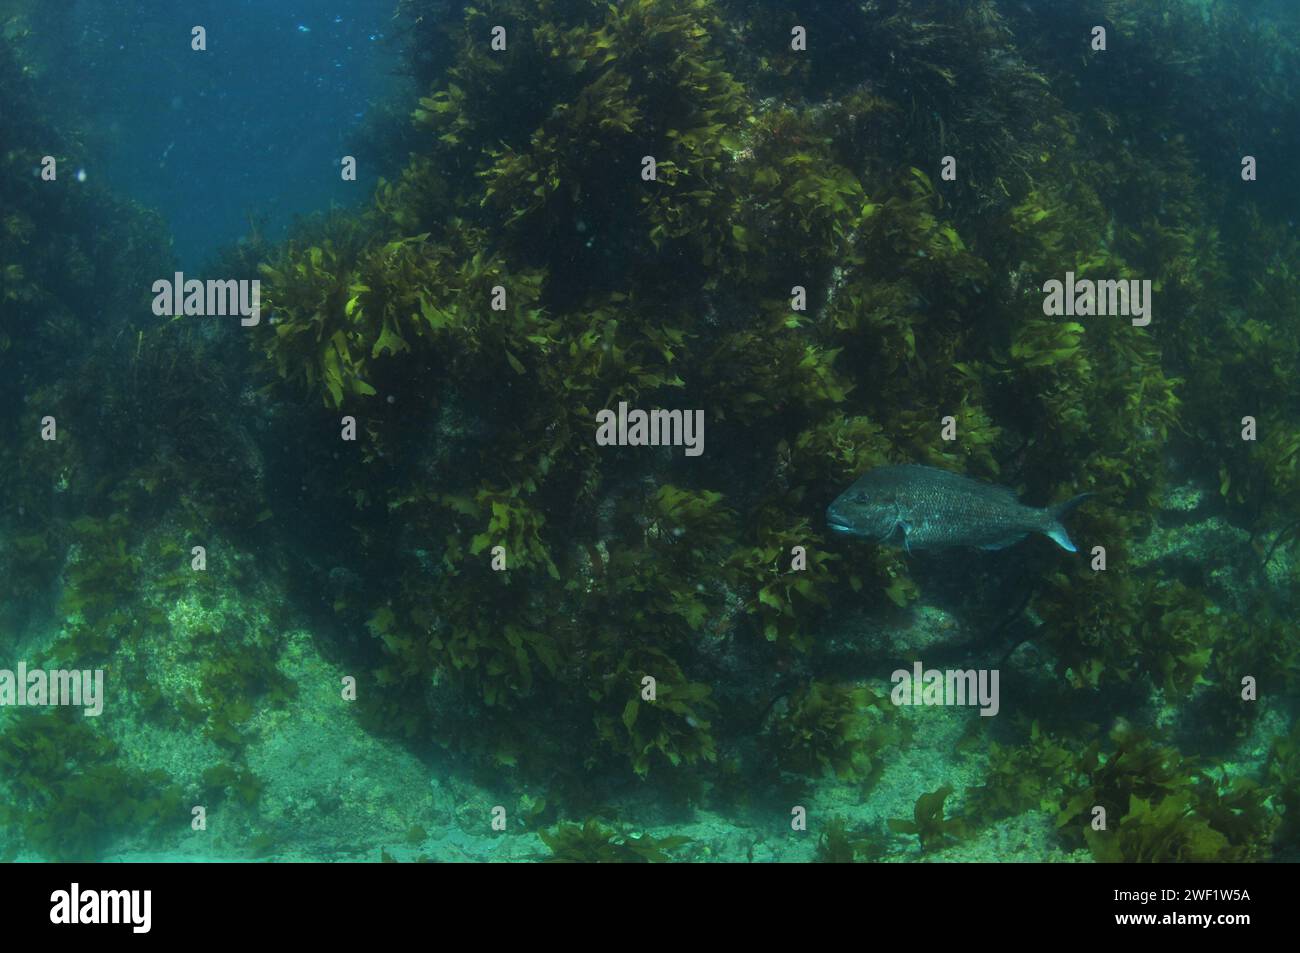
(928, 508)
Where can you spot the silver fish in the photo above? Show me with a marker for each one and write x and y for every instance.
(927, 508)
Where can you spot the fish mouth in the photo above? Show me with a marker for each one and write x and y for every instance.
(837, 525)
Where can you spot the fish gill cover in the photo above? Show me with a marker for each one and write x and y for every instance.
(366, 579)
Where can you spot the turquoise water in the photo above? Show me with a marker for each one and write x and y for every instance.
(418, 423)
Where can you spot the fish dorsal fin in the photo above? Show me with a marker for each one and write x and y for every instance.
(1005, 492)
(961, 481)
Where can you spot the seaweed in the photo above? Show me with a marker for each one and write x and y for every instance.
(838, 844)
(1159, 806)
(825, 728)
(69, 792)
(595, 843)
(928, 823)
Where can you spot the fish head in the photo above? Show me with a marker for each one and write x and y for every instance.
(856, 512)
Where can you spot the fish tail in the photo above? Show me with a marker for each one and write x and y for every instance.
(1055, 530)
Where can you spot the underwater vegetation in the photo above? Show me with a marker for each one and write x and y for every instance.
(1161, 806)
(96, 525)
(593, 843)
(799, 269)
(622, 565)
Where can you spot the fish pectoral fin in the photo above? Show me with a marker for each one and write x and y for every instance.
(899, 528)
(906, 527)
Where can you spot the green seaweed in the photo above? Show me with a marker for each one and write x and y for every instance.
(928, 823)
(827, 728)
(594, 843)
